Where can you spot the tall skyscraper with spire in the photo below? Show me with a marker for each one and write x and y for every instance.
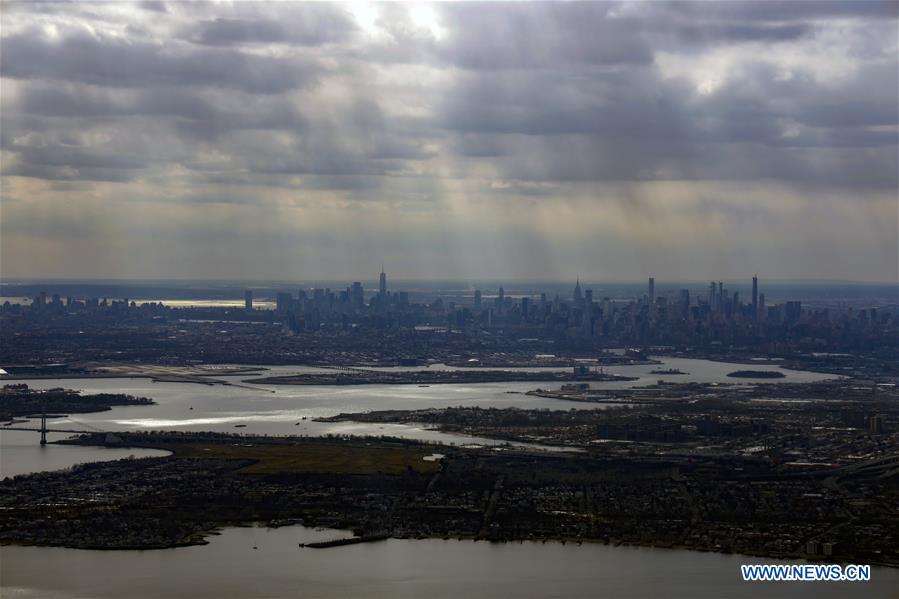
(755, 298)
(382, 288)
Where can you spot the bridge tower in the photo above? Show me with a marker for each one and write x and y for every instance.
(44, 425)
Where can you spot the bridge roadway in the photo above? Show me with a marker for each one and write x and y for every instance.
(49, 430)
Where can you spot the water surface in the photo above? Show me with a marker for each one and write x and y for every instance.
(230, 566)
(290, 409)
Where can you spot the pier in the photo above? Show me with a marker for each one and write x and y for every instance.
(347, 541)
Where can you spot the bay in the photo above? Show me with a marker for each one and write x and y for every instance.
(260, 562)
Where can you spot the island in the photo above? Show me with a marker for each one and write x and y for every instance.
(756, 374)
(160, 373)
(519, 359)
(358, 376)
(19, 400)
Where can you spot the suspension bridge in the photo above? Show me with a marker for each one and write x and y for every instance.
(43, 430)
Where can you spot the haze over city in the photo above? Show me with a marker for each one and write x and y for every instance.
(455, 141)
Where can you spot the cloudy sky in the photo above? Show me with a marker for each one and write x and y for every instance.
(450, 140)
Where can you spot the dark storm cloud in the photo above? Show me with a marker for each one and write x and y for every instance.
(636, 105)
(194, 112)
(54, 100)
(792, 10)
(154, 6)
(853, 138)
(561, 91)
(309, 24)
(587, 159)
(77, 157)
(62, 155)
(39, 6)
(689, 34)
(539, 35)
(323, 160)
(570, 124)
(344, 182)
(68, 173)
(535, 35)
(82, 57)
(475, 145)
(579, 77)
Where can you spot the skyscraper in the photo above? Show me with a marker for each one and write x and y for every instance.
(684, 302)
(477, 299)
(793, 311)
(357, 295)
(382, 289)
(652, 291)
(248, 300)
(755, 298)
(283, 301)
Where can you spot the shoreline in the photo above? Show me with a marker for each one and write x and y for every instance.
(435, 378)
(203, 539)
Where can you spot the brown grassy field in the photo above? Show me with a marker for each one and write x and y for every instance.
(322, 458)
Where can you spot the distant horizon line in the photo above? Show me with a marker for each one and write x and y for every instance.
(349, 280)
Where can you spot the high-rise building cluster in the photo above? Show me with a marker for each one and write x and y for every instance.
(673, 317)
(719, 317)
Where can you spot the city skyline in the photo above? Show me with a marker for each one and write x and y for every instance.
(536, 141)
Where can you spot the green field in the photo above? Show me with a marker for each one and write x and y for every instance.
(320, 458)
